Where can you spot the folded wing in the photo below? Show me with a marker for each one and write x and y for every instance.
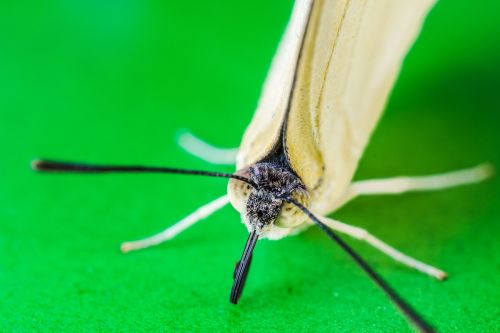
(344, 69)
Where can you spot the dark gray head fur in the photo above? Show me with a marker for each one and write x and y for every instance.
(274, 183)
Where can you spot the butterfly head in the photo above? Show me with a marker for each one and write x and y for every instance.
(263, 207)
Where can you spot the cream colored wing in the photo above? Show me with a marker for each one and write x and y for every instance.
(352, 54)
(337, 79)
(264, 130)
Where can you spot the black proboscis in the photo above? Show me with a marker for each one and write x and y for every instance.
(404, 307)
(241, 270)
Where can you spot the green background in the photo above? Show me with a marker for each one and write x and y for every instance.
(115, 81)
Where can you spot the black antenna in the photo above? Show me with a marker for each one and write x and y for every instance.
(57, 166)
(242, 267)
(404, 307)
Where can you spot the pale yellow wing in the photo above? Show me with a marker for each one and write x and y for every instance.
(352, 54)
(265, 127)
(347, 65)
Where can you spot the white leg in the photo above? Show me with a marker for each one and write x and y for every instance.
(205, 151)
(400, 257)
(169, 233)
(398, 185)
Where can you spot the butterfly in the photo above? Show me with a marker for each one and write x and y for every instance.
(323, 96)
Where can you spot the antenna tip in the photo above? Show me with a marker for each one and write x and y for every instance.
(37, 164)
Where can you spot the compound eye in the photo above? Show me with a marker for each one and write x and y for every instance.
(290, 215)
(239, 192)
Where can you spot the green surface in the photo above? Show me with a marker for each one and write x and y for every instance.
(114, 81)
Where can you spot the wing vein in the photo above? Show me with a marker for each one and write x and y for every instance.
(325, 73)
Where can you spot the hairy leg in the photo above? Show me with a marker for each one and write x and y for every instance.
(398, 256)
(435, 182)
(172, 231)
(205, 151)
